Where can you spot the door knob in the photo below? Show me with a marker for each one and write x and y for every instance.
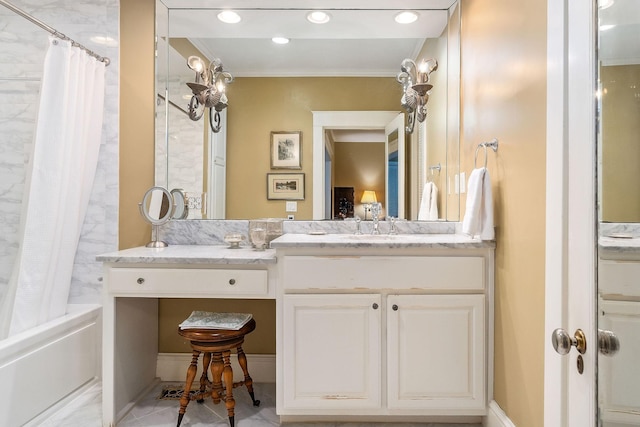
(608, 342)
(562, 341)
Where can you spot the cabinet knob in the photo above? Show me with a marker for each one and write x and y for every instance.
(394, 307)
(232, 281)
(140, 280)
(608, 342)
(375, 306)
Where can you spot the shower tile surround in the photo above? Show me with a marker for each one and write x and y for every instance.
(23, 46)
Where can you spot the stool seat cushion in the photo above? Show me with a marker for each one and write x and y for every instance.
(212, 320)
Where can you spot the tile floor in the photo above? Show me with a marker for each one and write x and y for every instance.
(150, 411)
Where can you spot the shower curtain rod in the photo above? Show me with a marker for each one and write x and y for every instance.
(53, 31)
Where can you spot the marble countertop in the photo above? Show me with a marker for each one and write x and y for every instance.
(190, 254)
(446, 241)
(617, 244)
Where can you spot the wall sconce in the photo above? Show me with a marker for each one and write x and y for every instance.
(415, 88)
(368, 197)
(208, 90)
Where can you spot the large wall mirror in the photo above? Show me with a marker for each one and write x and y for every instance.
(619, 80)
(618, 308)
(347, 66)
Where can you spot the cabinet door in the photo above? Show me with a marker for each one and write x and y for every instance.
(619, 386)
(436, 353)
(332, 352)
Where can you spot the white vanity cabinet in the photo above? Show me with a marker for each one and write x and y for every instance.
(384, 333)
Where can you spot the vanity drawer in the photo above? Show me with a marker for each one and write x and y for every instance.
(176, 282)
(618, 279)
(384, 272)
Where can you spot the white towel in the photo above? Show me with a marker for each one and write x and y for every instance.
(478, 216)
(429, 203)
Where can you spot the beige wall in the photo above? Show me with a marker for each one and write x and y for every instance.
(503, 96)
(620, 148)
(137, 127)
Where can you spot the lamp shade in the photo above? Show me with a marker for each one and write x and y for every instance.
(368, 196)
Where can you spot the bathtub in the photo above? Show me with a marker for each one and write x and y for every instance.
(42, 367)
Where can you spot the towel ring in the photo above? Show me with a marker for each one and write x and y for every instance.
(493, 144)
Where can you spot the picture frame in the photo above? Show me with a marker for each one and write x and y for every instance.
(286, 150)
(285, 186)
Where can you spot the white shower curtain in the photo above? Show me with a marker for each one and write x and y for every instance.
(61, 171)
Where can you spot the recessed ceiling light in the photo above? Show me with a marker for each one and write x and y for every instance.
(229, 17)
(280, 40)
(406, 17)
(105, 40)
(318, 17)
(603, 4)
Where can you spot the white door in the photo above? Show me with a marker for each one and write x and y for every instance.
(435, 353)
(333, 357)
(394, 167)
(570, 221)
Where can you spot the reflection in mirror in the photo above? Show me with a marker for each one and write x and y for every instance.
(395, 168)
(618, 167)
(392, 175)
(619, 92)
(157, 208)
(181, 203)
(276, 90)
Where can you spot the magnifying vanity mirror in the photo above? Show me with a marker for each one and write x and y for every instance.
(181, 203)
(347, 64)
(157, 208)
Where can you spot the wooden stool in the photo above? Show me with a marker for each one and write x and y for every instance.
(216, 344)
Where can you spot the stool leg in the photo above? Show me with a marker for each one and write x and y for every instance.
(242, 360)
(204, 379)
(191, 374)
(228, 382)
(216, 372)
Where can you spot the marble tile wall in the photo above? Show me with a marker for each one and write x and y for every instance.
(22, 50)
(179, 159)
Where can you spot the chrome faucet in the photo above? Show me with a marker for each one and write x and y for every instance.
(375, 214)
(392, 227)
(358, 221)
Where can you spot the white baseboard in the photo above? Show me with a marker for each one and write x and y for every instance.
(173, 367)
(496, 417)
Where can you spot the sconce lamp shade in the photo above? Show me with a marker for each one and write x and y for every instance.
(369, 196)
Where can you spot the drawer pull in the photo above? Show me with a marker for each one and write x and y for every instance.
(140, 280)
(232, 281)
(375, 306)
(395, 307)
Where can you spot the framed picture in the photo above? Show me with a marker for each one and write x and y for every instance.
(286, 150)
(285, 186)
